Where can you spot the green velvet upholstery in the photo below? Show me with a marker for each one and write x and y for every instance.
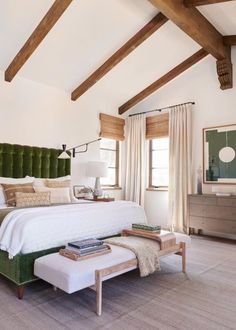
(20, 269)
(17, 161)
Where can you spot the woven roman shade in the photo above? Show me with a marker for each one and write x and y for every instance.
(157, 126)
(112, 127)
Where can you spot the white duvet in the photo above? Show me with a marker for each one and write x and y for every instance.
(34, 229)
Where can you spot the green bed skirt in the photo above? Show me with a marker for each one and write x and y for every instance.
(20, 269)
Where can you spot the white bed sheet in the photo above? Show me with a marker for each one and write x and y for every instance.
(34, 229)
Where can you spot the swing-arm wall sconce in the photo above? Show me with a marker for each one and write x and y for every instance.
(65, 155)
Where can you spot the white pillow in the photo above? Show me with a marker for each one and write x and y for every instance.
(12, 181)
(16, 181)
(58, 195)
(38, 182)
(2, 196)
(3, 206)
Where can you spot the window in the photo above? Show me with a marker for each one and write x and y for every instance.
(109, 152)
(159, 163)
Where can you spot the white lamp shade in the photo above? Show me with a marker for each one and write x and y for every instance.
(97, 169)
(64, 155)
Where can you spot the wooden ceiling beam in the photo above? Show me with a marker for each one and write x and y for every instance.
(120, 54)
(164, 80)
(193, 23)
(194, 3)
(230, 40)
(46, 24)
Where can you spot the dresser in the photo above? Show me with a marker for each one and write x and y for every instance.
(212, 214)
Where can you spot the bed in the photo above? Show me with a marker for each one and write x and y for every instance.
(28, 233)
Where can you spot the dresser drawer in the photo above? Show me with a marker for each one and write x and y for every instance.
(197, 210)
(196, 222)
(202, 200)
(213, 225)
(223, 213)
(226, 201)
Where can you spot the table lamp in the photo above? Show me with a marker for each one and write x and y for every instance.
(97, 169)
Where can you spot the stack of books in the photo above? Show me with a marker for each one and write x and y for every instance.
(149, 228)
(85, 248)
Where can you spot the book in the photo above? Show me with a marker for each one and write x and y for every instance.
(71, 254)
(87, 250)
(91, 251)
(85, 243)
(147, 231)
(144, 226)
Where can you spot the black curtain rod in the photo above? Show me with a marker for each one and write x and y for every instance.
(172, 106)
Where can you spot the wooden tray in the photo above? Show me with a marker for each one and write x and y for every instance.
(66, 253)
(166, 240)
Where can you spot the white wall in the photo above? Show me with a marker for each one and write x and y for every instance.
(39, 115)
(36, 114)
(213, 107)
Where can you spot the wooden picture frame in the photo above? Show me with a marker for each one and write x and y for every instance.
(78, 191)
(219, 154)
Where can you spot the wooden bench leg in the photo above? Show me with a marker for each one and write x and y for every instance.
(20, 291)
(183, 254)
(98, 293)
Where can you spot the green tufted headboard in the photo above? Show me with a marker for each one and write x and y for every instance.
(17, 161)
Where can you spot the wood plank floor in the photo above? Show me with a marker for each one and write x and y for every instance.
(204, 298)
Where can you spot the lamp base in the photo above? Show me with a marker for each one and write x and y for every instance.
(97, 189)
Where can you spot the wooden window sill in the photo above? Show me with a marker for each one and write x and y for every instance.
(157, 189)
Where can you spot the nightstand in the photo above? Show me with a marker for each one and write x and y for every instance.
(100, 199)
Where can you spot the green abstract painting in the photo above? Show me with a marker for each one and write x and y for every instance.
(220, 154)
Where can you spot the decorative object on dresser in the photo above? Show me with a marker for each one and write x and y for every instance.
(219, 161)
(97, 169)
(199, 181)
(221, 190)
(215, 215)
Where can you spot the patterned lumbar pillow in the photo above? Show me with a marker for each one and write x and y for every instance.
(11, 189)
(58, 195)
(57, 184)
(32, 199)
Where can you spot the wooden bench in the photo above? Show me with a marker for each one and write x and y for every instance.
(71, 276)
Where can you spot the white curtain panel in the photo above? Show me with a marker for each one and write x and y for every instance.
(135, 158)
(180, 165)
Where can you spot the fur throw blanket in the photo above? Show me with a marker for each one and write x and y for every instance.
(146, 251)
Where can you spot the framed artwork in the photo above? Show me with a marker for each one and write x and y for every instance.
(219, 154)
(82, 191)
(79, 191)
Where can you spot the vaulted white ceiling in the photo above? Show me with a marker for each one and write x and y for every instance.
(89, 32)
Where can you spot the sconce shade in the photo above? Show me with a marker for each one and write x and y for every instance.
(97, 169)
(64, 154)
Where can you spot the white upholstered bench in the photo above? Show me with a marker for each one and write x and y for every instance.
(71, 276)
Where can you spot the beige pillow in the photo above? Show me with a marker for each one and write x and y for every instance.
(32, 199)
(58, 195)
(57, 184)
(11, 189)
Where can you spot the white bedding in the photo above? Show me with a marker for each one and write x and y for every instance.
(34, 229)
